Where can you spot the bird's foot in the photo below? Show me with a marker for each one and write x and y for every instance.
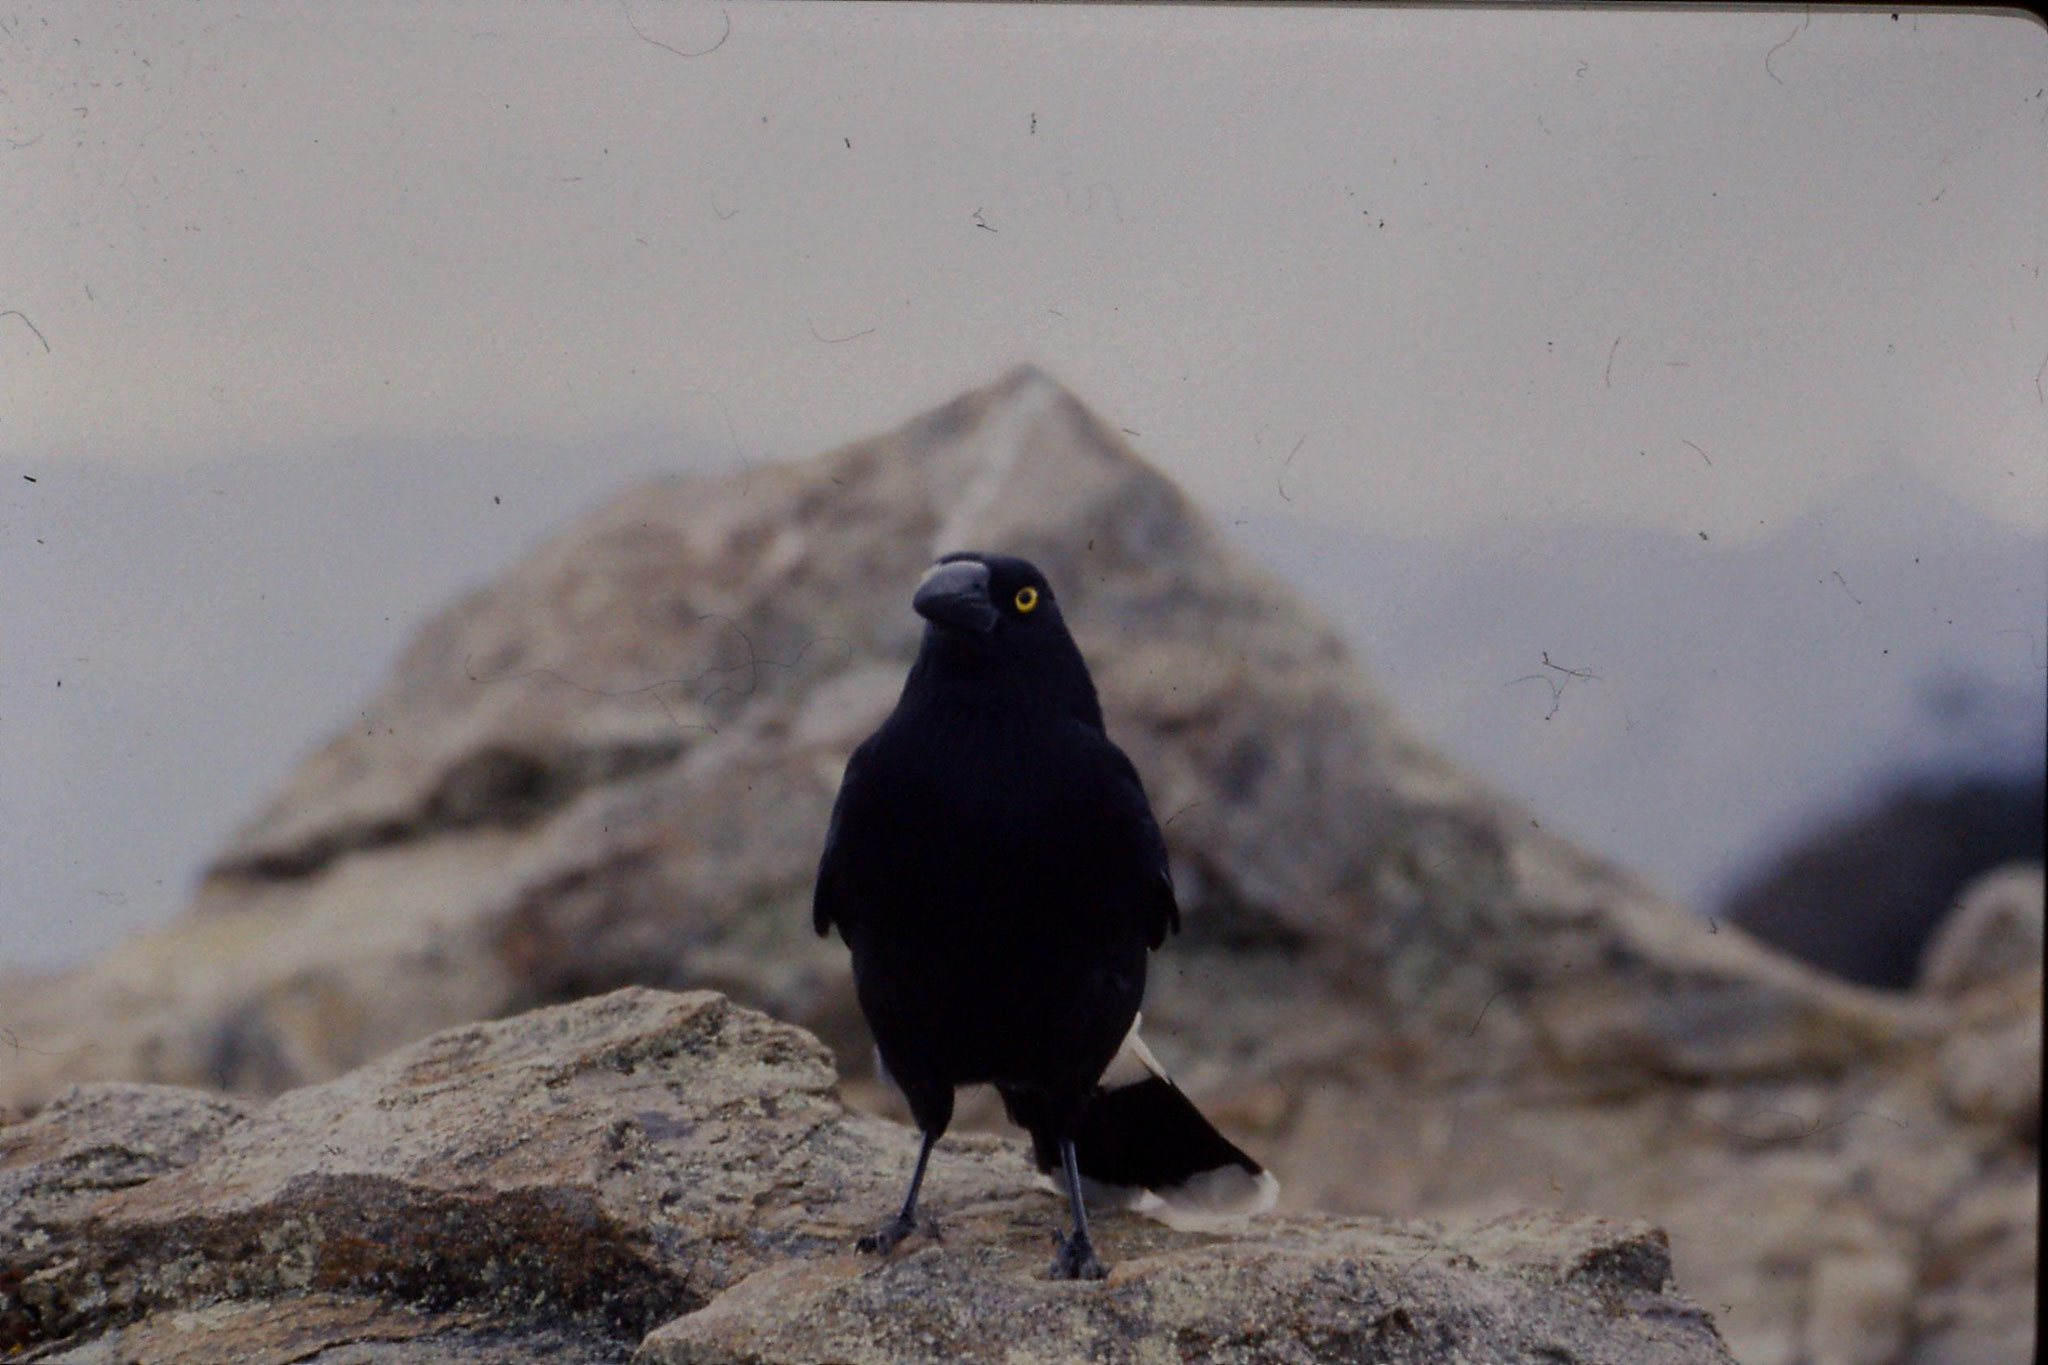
(885, 1238)
(1075, 1259)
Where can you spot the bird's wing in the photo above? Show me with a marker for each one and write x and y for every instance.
(828, 895)
(1131, 817)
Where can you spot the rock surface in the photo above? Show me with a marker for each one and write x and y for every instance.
(1994, 932)
(671, 1177)
(613, 765)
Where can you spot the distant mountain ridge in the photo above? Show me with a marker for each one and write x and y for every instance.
(1704, 704)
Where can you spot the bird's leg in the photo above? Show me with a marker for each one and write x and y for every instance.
(885, 1237)
(1075, 1259)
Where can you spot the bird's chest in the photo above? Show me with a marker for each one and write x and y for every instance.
(984, 825)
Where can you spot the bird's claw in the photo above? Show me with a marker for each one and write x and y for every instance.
(886, 1238)
(1075, 1260)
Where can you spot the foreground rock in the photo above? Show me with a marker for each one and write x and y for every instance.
(613, 765)
(673, 1174)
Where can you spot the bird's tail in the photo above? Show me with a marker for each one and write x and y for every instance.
(1143, 1145)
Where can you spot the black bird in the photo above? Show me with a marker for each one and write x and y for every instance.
(996, 870)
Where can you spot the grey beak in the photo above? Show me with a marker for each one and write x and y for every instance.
(956, 595)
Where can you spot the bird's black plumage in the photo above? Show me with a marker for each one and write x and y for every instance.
(996, 870)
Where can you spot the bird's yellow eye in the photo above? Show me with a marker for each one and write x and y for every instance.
(1026, 598)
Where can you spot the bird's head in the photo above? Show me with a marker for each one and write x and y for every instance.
(994, 623)
(987, 595)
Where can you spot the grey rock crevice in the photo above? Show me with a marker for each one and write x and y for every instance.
(500, 786)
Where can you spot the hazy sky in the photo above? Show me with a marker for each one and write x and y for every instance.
(239, 226)
(1399, 270)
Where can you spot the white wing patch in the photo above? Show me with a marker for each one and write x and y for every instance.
(1133, 1062)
